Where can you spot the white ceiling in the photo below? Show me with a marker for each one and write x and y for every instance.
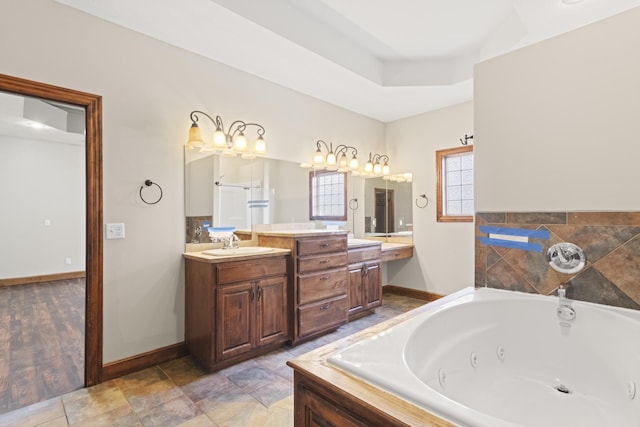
(386, 59)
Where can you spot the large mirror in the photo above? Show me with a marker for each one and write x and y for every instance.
(242, 193)
(388, 209)
(248, 193)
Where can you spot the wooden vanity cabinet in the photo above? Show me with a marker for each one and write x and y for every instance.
(319, 291)
(365, 280)
(235, 310)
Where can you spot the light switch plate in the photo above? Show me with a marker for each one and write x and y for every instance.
(114, 231)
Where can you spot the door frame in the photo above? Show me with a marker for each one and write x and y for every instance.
(93, 170)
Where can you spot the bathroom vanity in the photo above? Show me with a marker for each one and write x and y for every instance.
(236, 307)
(319, 279)
(307, 283)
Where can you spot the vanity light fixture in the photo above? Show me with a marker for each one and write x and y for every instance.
(374, 167)
(229, 143)
(337, 159)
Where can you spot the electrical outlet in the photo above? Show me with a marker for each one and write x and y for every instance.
(67, 261)
(47, 223)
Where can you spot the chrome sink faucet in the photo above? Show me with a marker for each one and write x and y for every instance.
(230, 242)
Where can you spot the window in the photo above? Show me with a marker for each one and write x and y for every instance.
(328, 195)
(454, 168)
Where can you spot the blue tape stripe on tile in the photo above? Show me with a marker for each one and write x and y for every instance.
(532, 247)
(534, 234)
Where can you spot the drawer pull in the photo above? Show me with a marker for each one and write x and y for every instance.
(324, 245)
(325, 307)
(324, 261)
(324, 278)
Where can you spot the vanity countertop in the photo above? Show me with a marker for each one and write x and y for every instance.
(356, 243)
(389, 246)
(199, 256)
(303, 233)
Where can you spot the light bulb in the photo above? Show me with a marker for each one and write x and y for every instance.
(240, 143)
(261, 146)
(331, 159)
(377, 168)
(353, 164)
(318, 158)
(385, 169)
(343, 161)
(219, 138)
(368, 167)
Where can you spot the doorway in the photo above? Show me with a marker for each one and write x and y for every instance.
(384, 210)
(92, 105)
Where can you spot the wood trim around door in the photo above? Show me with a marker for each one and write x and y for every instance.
(93, 113)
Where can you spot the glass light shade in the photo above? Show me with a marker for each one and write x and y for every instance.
(219, 138)
(318, 158)
(195, 137)
(331, 159)
(344, 162)
(353, 163)
(240, 143)
(368, 167)
(385, 169)
(261, 146)
(377, 168)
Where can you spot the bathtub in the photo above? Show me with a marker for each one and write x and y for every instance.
(495, 358)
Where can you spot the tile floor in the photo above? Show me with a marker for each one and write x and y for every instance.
(258, 392)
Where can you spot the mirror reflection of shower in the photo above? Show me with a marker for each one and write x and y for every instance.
(239, 204)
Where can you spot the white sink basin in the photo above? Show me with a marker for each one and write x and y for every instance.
(246, 250)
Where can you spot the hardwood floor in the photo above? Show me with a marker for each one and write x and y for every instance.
(41, 341)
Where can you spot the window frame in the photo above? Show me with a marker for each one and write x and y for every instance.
(441, 155)
(313, 217)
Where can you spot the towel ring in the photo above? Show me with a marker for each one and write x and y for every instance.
(353, 204)
(424, 203)
(149, 183)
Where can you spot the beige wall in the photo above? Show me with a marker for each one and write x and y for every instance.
(148, 90)
(443, 255)
(556, 123)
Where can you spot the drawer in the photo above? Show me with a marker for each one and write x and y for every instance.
(399, 253)
(230, 272)
(321, 262)
(322, 315)
(315, 287)
(321, 245)
(363, 254)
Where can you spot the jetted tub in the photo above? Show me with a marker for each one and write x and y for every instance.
(497, 358)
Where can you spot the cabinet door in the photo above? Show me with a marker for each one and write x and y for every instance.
(372, 282)
(271, 310)
(313, 411)
(234, 317)
(356, 289)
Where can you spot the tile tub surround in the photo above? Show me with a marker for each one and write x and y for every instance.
(610, 240)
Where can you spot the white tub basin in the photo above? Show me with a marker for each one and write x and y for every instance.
(246, 250)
